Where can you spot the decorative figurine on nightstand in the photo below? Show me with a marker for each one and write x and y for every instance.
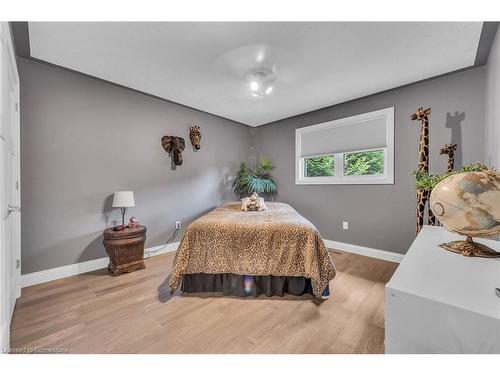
(133, 222)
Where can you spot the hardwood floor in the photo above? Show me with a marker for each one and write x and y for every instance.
(134, 313)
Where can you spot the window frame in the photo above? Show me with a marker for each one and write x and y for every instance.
(339, 178)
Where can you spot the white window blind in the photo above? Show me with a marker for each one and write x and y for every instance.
(357, 136)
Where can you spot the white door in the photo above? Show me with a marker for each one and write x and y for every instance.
(10, 216)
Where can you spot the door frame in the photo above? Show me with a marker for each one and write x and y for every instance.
(10, 284)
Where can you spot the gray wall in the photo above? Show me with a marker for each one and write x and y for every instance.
(82, 139)
(382, 216)
(492, 100)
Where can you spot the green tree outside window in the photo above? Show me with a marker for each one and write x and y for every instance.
(319, 166)
(364, 163)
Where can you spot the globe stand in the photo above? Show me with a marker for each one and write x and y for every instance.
(470, 248)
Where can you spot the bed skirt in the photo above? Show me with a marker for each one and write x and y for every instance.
(230, 284)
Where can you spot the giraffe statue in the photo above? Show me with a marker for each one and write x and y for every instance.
(423, 165)
(449, 149)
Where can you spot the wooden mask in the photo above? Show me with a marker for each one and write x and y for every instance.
(174, 147)
(195, 136)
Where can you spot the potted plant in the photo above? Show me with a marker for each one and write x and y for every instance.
(426, 181)
(258, 180)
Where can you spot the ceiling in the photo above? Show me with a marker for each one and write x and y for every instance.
(204, 64)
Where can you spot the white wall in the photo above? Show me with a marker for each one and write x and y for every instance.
(492, 104)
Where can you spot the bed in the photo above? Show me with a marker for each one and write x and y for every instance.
(271, 252)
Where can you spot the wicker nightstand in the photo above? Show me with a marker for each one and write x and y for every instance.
(125, 249)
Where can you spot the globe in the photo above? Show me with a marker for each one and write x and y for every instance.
(469, 204)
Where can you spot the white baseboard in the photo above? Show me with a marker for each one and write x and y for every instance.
(162, 249)
(82, 267)
(92, 265)
(365, 251)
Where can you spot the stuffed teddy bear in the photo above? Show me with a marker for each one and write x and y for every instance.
(133, 222)
(253, 203)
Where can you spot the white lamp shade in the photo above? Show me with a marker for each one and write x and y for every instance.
(123, 199)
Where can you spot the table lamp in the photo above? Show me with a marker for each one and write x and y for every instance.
(123, 199)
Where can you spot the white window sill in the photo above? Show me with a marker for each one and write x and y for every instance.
(345, 181)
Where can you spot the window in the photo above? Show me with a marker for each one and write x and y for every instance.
(353, 150)
(320, 166)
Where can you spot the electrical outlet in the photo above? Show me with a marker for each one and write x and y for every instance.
(345, 225)
(177, 224)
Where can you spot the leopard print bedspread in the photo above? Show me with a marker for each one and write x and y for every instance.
(277, 242)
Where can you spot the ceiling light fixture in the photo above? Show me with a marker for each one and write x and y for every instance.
(261, 82)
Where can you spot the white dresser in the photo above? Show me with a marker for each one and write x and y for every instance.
(442, 302)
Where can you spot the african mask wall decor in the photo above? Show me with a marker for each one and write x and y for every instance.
(195, 137)
(174, 147)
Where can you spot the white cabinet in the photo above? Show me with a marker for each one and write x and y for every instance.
(442, 302)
